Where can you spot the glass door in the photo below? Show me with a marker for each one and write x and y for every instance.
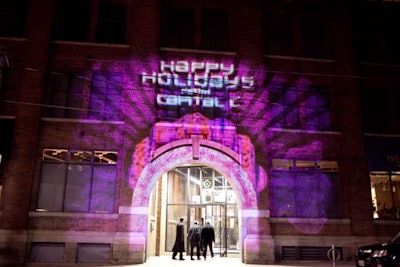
(201, 193)
(216, 214)
(219, 222)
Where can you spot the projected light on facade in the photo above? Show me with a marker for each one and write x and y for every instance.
(178, 98)
(203, 84)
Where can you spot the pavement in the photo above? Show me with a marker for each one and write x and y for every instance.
(166, 261)
(217, 261)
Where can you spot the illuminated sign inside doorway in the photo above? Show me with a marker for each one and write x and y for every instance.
(194, 83)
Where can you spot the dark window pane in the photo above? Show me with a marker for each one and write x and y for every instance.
(291, 194)
(80, 183)
(314, 42)
(91, 253)
(279, 35)
(67, 95)
(177, 27)
(77, 189)
(13, 17)
(374, 106)
(214, 30)
(391, 22)
(111, 24)
(72, 20)
(284, 107)
(7, 136)
(47, 252)
(105, 97)
(367, 41)
(52, 187)
(317, 108)
(103, 189)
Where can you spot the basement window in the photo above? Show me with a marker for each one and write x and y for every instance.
(47, 252)
(94, 253)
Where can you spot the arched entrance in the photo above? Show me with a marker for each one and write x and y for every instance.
(194, 152)
(195, 193)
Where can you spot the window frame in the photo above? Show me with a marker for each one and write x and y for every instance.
(290, 107)
(63, 198)
(195, 31)
(290, 195)
(90, 23)
(293, 37)
(13, 15)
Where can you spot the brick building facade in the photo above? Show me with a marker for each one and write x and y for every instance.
(276, 120)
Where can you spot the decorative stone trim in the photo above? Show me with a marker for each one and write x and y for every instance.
(134, 210)
(255, 213)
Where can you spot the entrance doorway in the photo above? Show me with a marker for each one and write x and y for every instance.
(194, 193)
(225, 221)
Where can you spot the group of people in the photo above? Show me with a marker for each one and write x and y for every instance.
(200, 237)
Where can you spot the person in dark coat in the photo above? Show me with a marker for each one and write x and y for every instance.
(207, 237)
(179, 245)
(195, 239)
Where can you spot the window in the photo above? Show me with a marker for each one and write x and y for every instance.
(279, 35)
(13, 15)
(316, 108)
(214, 30)
(77, 181)
(195, 28)
(383, 159)
(76, 20)
(72, 20)
(304, 188)
(380, 110)
(105, 96)
(47, 252)
(314, 37)
(283, 101)
(8, 84)
(7, 132)
(111, 24)
(94, 253)
(306, 108)
(69, 96)
(376, 29)
(178, 27)
(385, 193)
(290, 31)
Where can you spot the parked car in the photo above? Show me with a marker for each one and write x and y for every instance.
(380, 255)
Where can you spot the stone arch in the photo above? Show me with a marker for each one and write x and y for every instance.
(198, 152)
(182, 153)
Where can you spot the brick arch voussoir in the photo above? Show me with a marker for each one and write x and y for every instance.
(208, 156)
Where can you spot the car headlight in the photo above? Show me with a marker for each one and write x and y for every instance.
(365, 251)
(380, 253)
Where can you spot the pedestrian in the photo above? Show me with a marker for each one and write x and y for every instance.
(195, 239)
(207, 237)
(179, 245)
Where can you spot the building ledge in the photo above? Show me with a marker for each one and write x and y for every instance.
(34, 214)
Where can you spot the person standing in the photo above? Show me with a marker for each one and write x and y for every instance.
(208, 237)
(195, 239)
(179, 245)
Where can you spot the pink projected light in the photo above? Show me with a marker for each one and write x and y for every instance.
(218, 155)
(173, 98)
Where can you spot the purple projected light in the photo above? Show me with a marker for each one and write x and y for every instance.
(175, 98)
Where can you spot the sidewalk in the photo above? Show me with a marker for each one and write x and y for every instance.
(217, 261)
(166, 261)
